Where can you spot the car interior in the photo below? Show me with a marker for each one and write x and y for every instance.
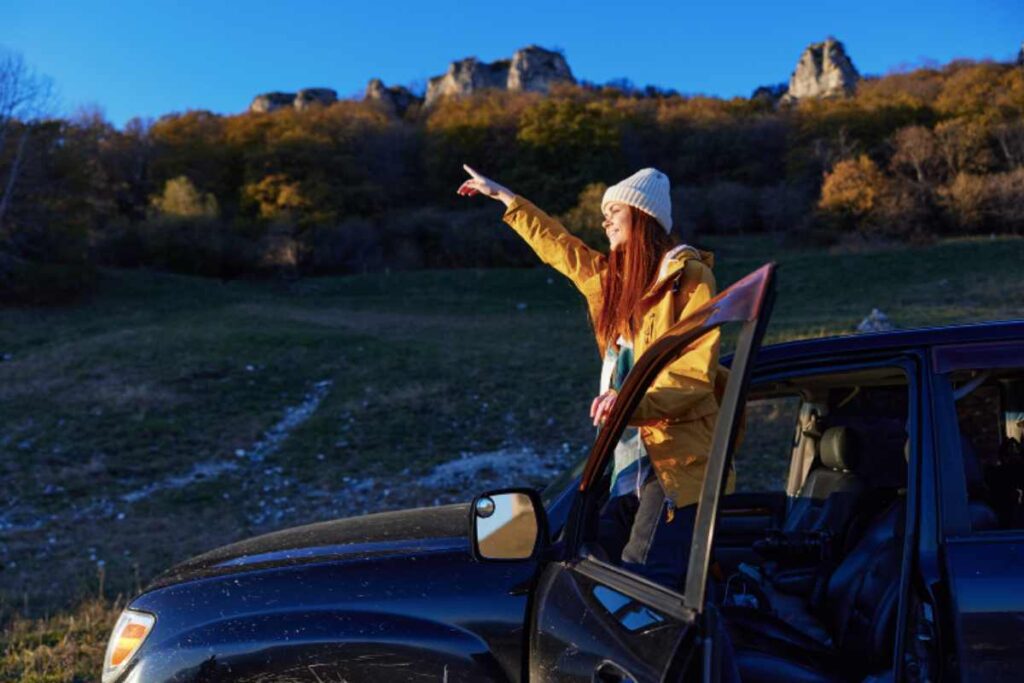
(807, 556)
(808, 575)
(807, 562)
(818, 597)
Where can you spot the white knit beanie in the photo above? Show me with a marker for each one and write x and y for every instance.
(647, 190)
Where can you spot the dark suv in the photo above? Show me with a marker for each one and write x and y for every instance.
(878, 534)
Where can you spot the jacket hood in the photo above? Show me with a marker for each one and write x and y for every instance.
(402, 532)
(675, 260)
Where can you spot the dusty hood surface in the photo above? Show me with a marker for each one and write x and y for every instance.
(387, 533)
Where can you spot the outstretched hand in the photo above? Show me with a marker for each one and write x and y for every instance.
(479, 184)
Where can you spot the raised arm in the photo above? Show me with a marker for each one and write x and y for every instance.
(555, 245)
(478, 184)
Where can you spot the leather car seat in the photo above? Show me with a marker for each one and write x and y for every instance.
(830, 494)
(819, 516)
(855, 627)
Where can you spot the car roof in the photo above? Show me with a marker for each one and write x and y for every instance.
(893, 340)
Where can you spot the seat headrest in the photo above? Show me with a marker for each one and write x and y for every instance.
(840, 448)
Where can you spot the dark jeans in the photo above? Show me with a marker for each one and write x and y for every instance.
(641, 534)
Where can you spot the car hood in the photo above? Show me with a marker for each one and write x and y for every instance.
(401, 532)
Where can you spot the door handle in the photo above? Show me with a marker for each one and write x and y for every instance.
(610, 672)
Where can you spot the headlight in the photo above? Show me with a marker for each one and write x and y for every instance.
(132, 628)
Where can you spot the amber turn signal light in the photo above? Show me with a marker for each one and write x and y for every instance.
(131, 629)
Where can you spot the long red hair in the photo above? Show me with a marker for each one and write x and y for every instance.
(632, 270)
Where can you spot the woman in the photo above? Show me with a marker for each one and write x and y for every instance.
(634, 294)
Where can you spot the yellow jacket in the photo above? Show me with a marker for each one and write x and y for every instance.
(677, 414)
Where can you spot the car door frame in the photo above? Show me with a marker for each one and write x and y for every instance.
(748, 302)
(964, 613)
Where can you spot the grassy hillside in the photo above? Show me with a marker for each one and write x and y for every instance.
(170, 414)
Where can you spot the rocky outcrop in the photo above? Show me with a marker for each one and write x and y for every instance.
(532, 68)
(467, 76)
(312, 96)
(824, 70)
(272, 101)
(1020, 56)
(396, 99)
(536, 69)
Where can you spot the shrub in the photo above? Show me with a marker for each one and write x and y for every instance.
(852, 189)
(987, 204)
(180, 198)
(857, 197)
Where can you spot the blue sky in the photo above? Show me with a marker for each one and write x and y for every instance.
(152, 58)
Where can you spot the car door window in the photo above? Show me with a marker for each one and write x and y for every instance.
(990, 420)
(770, 432)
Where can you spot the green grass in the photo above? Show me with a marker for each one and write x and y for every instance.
(65, 648)
(156, 373)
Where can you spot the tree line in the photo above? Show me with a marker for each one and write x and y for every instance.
(352, 187)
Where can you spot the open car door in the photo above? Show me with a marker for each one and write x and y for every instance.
(595, 621)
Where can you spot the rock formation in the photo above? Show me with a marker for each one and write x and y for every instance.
(272, 101)
(876, 321)
(824, 70)
(1020, 56)
(310, 96)
(536, 69)
(467, 76)
(395, 98)
(532, 68)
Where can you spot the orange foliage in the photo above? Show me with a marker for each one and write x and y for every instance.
(854, 187)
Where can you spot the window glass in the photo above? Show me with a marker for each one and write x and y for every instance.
(766, 443)
(990, 417)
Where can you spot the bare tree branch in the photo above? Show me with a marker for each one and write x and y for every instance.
(25, 97)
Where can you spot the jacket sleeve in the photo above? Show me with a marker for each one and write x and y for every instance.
(687, 383)
(555, 245)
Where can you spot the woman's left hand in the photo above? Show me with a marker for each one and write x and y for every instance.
(602, 406)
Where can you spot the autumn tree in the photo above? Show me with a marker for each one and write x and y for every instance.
(988, 203)
(479, 130)
(964, 146)
(567, 143)
(1009, 138)
(181, 199)
(916, 154)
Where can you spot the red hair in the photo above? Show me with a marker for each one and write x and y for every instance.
(632, 269)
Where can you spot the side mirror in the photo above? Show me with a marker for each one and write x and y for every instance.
(509, 524)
